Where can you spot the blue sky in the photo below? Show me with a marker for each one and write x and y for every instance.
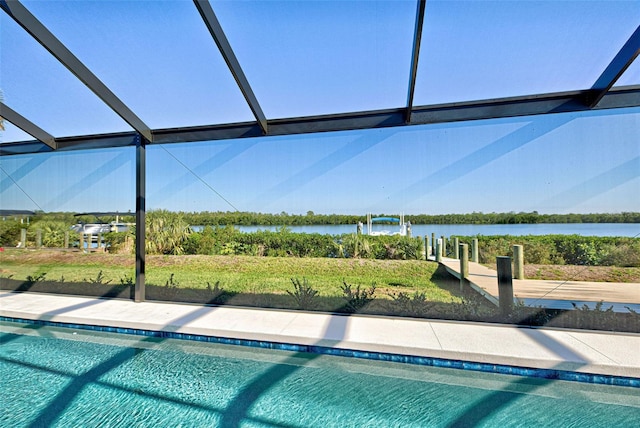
(307, 58)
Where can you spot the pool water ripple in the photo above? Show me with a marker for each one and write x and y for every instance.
(59, 377)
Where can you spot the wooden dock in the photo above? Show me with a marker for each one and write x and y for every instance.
(552, 294)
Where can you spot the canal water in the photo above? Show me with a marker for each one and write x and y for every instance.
(583, 229)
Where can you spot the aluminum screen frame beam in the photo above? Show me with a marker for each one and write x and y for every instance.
(38, 31)
(565, 102)
(139, 290)
(615, 69)
(214, 27)
(417, 37)
(27, 126)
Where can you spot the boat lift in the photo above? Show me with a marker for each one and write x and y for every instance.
(403, 227)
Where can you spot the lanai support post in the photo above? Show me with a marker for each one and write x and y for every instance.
(505, 284)
(141, 160)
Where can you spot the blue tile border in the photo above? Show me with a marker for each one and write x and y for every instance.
(551, 374)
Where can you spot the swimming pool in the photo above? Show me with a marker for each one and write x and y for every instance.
(55, 376)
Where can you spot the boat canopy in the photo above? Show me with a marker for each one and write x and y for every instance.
(4, 213)
(389, 219)
(107, 213)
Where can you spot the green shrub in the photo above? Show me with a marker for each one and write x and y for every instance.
(10, 232)
(355, 246)
(623, 255)
(562, 249)
(282, 243)
(116, 241)
(397, 247)
(416, 305)
(171, 288)
(408, 248)
(489, 247)
(286, 243)
(53, 232)
(358, 298)
(128, 281)
(304, 296)
(594, 318)
(541, 253)
(98, 280)
(210, 241)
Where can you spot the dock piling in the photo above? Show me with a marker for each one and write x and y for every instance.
(464, 265)
(426, 247)
(474, 250)
(433, 244)
(518, 262)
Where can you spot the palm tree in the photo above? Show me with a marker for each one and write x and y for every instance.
(166, 232)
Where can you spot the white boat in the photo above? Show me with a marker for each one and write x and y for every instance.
(96, 228)
(102, 227)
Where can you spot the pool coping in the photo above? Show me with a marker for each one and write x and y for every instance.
(360, 336)
(352, 353)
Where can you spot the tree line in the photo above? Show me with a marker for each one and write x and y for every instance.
(267, 219)
(240, 218)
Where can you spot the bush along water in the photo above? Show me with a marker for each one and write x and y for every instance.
(545, 249)
(562, 249)
(228, 240)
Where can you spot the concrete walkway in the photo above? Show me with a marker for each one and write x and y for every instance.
(552, 294)
(570, 350)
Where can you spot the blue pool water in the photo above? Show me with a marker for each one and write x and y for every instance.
(69, 378)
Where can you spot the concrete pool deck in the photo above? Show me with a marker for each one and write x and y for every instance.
(599, 353)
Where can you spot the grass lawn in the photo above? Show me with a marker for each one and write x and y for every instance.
(235, 274)
(402, 287)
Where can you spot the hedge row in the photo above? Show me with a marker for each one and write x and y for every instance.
(545, 249)
(282, 243)
(562, 249)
